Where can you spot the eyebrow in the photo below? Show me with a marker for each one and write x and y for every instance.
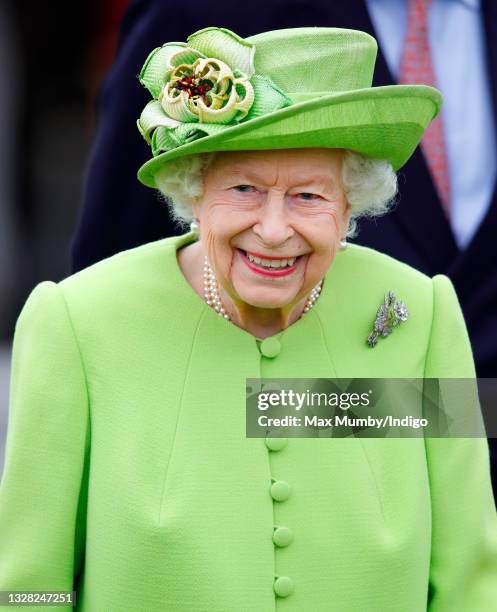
(321, 179)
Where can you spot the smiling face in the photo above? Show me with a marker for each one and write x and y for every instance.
(271, 222)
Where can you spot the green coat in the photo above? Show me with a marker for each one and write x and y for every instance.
(128, 471)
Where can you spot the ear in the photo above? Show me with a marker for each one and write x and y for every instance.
(346, 217)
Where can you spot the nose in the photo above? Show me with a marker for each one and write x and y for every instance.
(272, 226)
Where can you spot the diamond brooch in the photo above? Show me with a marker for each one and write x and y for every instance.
(390, 314)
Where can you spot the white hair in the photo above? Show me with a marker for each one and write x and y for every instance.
(370, 185)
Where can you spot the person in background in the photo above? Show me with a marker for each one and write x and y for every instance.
(446, 221)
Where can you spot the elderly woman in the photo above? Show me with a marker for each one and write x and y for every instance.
(129, 476)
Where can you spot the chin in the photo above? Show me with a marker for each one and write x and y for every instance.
(268, 298)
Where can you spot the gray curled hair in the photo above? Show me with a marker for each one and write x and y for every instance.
(370, 186)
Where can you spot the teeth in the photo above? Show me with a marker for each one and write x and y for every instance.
(272, 263)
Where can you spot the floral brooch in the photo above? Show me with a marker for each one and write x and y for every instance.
(390, 314)
(202, 87)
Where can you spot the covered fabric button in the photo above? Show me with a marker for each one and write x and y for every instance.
(282, 536)
(276, 444)
(270, 347)
(283, 586)
(280, 490)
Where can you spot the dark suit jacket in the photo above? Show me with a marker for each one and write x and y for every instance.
(120, 213)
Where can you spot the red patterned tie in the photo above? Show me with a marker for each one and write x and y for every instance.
(416, 67)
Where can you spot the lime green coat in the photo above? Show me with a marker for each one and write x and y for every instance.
(128, 472)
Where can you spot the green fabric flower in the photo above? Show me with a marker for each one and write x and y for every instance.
(201, 87)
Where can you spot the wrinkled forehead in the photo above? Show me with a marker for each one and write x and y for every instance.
(291, 166)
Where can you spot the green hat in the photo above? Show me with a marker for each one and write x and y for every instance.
(284, 89)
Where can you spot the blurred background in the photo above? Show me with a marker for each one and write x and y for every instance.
(53, 56)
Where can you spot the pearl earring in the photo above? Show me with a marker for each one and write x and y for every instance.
(194, 227)
(343, 244)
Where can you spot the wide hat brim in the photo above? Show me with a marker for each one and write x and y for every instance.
(380, 122)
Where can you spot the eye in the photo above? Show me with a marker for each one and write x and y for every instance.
(244, 188)
(308, 196)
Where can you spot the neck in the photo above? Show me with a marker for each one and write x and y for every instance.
(262, 322)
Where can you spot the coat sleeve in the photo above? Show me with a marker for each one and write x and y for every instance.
(43, 491)
(463, 569)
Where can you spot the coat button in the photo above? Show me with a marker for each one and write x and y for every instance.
(282, 536)
(283, 586)
(270, 347)
(280, 490)
(276, 444)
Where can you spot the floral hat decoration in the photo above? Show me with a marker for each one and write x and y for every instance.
(290, 88)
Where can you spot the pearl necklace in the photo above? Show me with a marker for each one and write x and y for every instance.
(211, 292)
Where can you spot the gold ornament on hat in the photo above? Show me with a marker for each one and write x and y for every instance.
(207, 91)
